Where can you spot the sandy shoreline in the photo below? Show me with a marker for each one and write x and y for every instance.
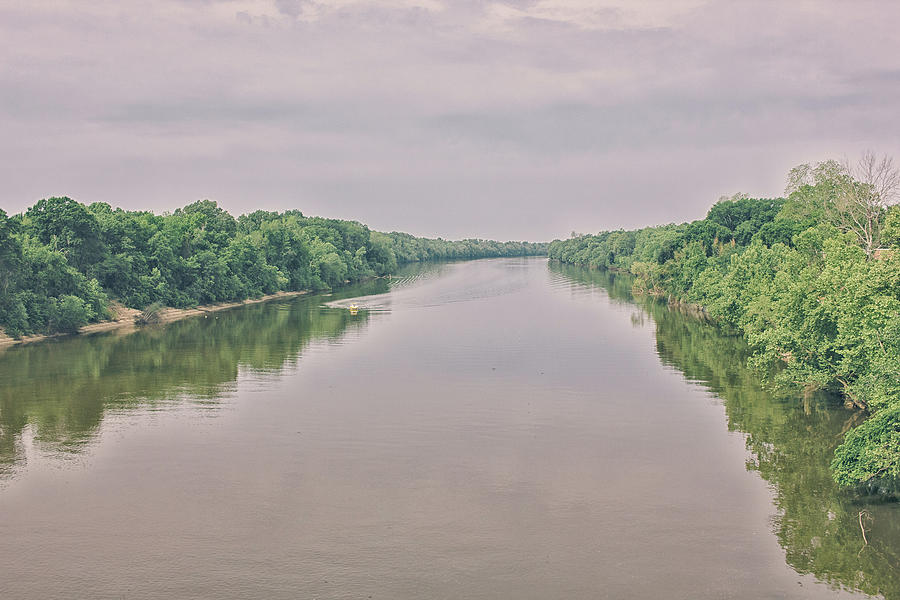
(123, 318)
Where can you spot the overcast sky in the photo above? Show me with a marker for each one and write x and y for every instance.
(524, 119)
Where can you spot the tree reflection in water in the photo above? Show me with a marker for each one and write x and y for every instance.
(790, 442)
(60, 390)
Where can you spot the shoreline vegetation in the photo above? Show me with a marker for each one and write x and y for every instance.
(67, 267)
(127, 319)
(810, 280)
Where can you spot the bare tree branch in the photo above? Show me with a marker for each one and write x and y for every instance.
(865, 191)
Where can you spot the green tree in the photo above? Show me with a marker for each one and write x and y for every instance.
(67, 226)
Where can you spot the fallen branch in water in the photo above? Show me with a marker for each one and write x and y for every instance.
(861, 528)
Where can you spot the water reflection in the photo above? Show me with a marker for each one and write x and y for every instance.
(790, 442)
(456, 461)
(58, 392)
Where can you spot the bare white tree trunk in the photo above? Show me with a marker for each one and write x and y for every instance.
(865, 190)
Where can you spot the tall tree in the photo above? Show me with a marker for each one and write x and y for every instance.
(10, 251)
(865, 191)
(67, 226)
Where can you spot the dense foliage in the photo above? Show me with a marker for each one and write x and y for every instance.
(61, 262)
(816, 295)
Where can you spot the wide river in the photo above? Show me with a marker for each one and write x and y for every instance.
(491, 429)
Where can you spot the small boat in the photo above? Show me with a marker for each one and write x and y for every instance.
(354, 309)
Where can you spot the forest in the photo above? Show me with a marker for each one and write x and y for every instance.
(62, 262)
(811, 280)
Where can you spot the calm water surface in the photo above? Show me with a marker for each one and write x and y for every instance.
(489, 429)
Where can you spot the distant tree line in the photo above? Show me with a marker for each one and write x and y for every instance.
(811, 280)
(61, 262)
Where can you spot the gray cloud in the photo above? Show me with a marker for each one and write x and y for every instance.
(291, 8)
(518, 119)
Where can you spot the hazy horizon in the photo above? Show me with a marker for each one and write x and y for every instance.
(522, 120)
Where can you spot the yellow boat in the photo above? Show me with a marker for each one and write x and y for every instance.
(354, 309)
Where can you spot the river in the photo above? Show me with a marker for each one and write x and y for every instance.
(500, 428)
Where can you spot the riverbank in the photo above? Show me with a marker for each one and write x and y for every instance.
(123, 318)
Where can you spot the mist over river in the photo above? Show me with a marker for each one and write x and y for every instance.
(503, 428)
